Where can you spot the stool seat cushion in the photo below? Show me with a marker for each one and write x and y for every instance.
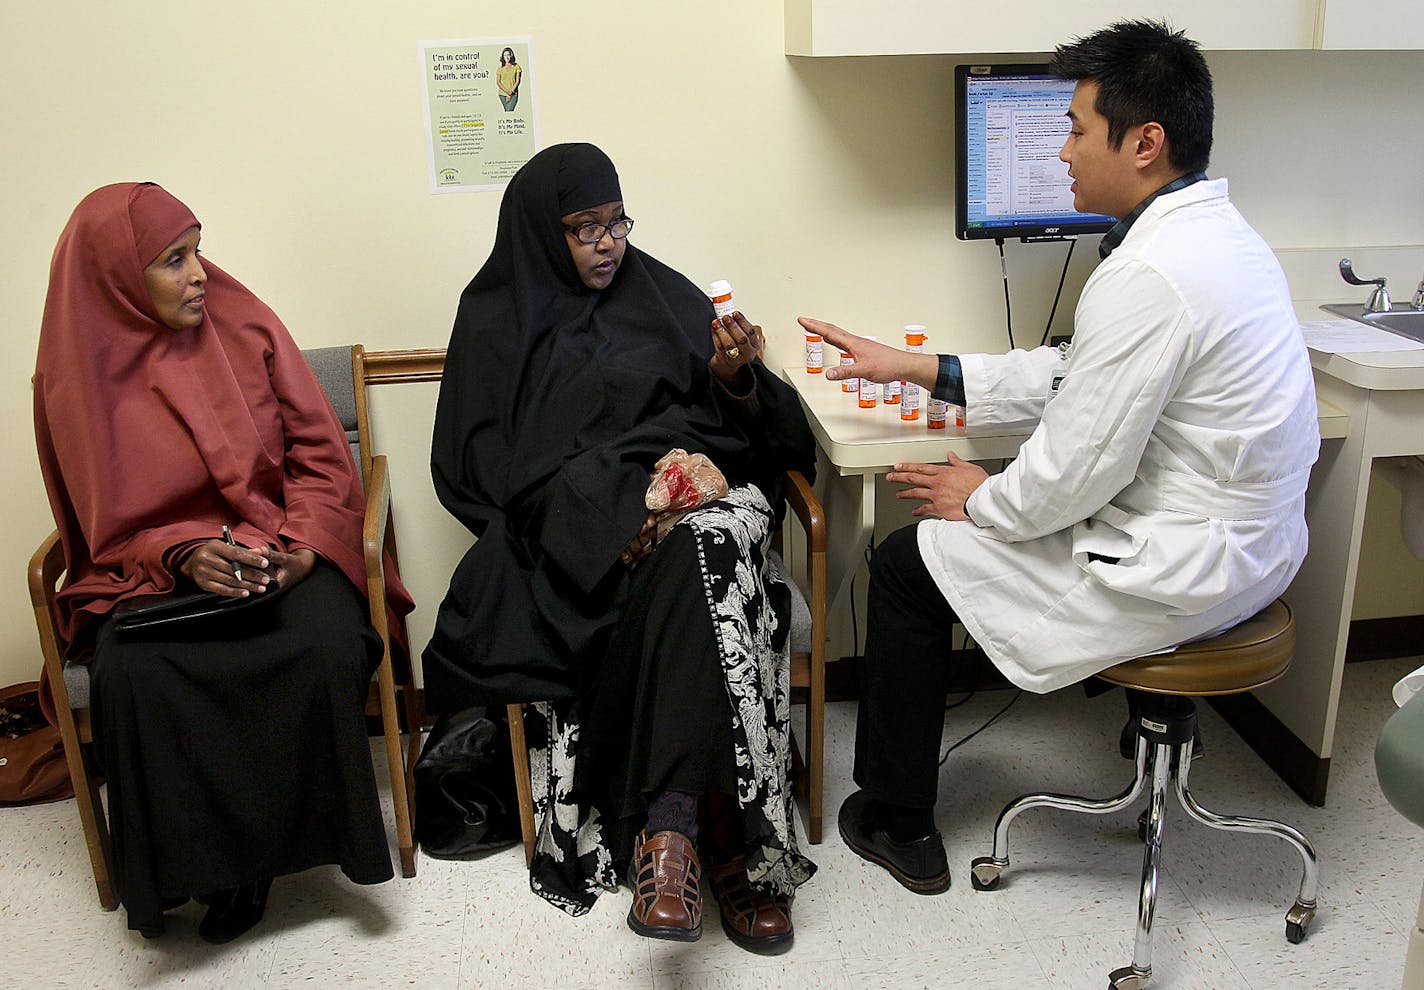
(1250, 654)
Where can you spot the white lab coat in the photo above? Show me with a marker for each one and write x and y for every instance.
(1180, 441)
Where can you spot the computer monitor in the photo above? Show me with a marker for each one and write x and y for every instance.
(1010, 125)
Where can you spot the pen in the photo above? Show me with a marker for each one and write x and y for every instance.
(227, 538)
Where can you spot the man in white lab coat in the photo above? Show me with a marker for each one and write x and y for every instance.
(1161, 495)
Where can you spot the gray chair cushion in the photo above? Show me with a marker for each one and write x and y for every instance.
(332, 367)
(76, 682)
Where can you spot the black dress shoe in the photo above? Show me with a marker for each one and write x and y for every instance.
(233, 912)
(920, 865)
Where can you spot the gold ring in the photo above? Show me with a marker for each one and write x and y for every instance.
(734, 352)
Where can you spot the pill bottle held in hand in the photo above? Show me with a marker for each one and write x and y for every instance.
(720, 292)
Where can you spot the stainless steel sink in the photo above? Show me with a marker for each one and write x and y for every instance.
(1401, 320)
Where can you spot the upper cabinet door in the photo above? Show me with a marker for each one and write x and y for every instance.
(917, 27)
(1354, 25)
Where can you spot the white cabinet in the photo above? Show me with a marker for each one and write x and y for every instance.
(1353, 25)
(917, 27)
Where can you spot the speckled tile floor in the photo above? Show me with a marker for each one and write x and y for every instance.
(1063, 918)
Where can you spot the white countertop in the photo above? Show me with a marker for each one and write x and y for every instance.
(865, 441)
(1379, 370)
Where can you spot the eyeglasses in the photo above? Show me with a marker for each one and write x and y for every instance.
(592, 233)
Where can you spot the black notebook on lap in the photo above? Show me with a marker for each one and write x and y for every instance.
(143, 613)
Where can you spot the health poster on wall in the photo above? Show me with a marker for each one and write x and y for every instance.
(480, 125)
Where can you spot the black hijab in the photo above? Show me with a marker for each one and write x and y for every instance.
(555, 403)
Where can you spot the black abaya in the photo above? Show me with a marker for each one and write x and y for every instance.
(555, 403)
(238, 751)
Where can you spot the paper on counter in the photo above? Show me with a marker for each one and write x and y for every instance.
(1353, 337)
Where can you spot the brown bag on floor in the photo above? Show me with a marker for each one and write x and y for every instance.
(32, 767)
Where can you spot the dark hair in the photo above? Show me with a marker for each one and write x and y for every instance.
(512, 59)
(1145, 71)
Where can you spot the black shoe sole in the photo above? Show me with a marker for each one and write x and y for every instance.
(771, 945)
(663, 931)
(920, 885)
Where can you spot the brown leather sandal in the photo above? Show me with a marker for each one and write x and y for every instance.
(667, 895)
(755, 920)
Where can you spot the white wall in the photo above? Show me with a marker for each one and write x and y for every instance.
(825, 187)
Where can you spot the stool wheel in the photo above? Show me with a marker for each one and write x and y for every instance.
(1298, 920)
(985, 871)
(1129, 978)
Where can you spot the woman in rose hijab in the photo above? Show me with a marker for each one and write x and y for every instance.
(171, 406)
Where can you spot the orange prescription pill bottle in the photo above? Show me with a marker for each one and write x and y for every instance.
(849, 384)
(815, 354)
(909, 391)
(890, 393)
(720, 292)
(936, 412)
(869, 390)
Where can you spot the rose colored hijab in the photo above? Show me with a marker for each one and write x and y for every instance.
(150, 439)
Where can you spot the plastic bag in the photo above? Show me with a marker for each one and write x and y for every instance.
(681, 482)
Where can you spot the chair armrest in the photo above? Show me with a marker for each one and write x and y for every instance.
(46, 566)
(378, 514)
(807, 508)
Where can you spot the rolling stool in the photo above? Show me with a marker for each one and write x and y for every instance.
(1245, 657)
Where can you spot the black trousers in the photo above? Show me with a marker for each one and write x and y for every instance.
(905, 678)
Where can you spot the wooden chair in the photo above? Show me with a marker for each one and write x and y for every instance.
(1248, 656)
(70, 682)
(808, 646)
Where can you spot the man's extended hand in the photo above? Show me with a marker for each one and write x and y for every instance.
(944, 488)
(873, 361)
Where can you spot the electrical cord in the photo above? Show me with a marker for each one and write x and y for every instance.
(1008, 312)
(1017, 694)
(1072, 241)
(854, 625)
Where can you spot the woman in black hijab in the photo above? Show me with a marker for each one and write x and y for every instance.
(576, 362)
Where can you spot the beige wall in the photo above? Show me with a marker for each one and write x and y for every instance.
(294, 131)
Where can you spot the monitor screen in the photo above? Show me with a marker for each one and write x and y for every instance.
(1009, 182)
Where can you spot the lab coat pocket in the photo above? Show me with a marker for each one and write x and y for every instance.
(1106, 534)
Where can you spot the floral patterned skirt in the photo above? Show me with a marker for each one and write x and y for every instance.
(580, 851)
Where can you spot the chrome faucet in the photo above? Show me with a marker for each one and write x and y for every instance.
(1379, 299)
(1418, 301)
